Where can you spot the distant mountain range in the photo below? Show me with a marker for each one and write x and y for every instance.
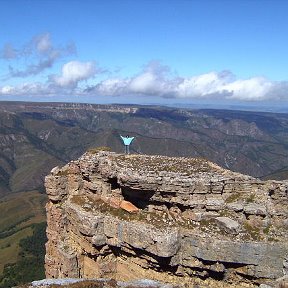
(34, 137)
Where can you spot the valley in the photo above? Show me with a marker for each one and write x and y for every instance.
(35, 137)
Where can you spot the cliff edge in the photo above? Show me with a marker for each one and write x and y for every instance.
(179, 220)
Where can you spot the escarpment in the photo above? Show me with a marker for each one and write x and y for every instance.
(174, 219)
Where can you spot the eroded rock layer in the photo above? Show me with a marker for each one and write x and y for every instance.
(179, 219)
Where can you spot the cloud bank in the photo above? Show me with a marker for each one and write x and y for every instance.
(66, 83)
(156, 80)
(39, 55)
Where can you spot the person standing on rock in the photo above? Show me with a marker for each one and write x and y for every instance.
(127, 141)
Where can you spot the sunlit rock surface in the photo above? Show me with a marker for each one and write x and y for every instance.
(177, 220)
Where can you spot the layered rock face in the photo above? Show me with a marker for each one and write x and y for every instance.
(175, 219)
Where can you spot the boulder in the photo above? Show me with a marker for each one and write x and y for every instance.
(128, 206)
(228, 225)
(255, 209)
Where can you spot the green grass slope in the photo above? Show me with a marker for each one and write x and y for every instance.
(30, 262)
(19, 212)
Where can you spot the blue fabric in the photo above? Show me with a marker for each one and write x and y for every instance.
(127, 140)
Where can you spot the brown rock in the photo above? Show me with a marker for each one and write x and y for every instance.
(128, 206)
(115, 202)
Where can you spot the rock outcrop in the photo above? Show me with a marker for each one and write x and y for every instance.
(174, 219)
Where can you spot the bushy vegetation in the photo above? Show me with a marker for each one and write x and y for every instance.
(30, 265)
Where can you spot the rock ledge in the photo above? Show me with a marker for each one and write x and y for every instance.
(169, 219)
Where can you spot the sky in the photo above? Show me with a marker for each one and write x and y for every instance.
(145, 51)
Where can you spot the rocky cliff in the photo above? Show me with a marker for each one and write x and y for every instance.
(174, 219)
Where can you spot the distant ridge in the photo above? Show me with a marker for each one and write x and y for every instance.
(34, 137)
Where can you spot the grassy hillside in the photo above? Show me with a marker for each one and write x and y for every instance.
(30, 263)
(19, 212)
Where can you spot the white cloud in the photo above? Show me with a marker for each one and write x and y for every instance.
(109, 87)
(25, 89)
(144, 83)
(153, 80)
(256, 88)
(156, 80)
(202, 85)
(39, 54)
(73, 72)
(149, 83)
(6, 90)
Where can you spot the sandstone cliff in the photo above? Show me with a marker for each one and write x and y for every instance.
(175, 219)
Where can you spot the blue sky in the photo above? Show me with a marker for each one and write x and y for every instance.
(145, 51)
